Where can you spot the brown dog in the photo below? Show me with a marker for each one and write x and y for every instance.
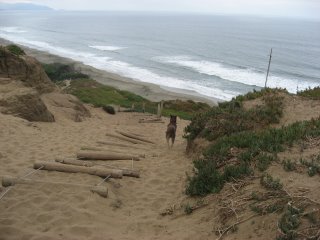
(171, 130)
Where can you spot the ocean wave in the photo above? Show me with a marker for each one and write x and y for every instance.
(144, 75)
(240, 75)
(124, 69)
(12, 30)
(107, 48)
(44, 46)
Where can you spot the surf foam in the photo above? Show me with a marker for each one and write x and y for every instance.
(107, 48)
(123, 68)
(12, 30)
(241, 75)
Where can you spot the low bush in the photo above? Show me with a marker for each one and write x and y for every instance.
(254, 146)
(16, 50)
(312, 93)
(59, 72)
(109, 109)
(230, 117)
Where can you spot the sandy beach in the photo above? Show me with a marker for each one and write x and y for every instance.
(57, 211)
(148, 90)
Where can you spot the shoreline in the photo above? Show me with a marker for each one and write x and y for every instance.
(149, 91)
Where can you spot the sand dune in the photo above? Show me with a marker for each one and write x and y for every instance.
(55, 211)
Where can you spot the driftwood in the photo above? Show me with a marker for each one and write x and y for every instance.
(98, 171)
(120, 145)
(90, 155)
(134, 137)
(8, 181)
(150, 121)
(125, 172)
(123, 138)
(111, 151)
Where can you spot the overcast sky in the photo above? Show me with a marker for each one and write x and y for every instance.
(286, 8)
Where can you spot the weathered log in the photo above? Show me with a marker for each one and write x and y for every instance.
(101, 190)
(8, 181)
(89, 155)
(121, 145)
(125, 171)
(75, 162)
(134, 137)
(123, 138)
(111, 151)
(98, 171)
(151, 121)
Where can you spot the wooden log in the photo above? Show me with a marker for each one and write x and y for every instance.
(121, 145)
(8, 181)
(98, 171)
(112, 151)
(125, 171)
(151, 121)
(134, 137)
(101, 190)
(90, 155)
(75, 162)
(123, 138)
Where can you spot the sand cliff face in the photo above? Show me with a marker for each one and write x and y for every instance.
(24, 87)
(25, 69)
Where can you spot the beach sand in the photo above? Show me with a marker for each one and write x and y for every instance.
(150, 91)
(57, 211)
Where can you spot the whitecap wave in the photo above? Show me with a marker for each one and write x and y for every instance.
(145, 75)
(107, 48)
(12, 30)
(241, 75)
(124, 69)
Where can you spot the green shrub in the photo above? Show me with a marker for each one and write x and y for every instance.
(289, 222)
(16, 50)
(288, 165)
(264, 160)
(109, 109)
(59, 72)
(230, 117)
(312, 93)
(270, 183)
(188, 209)
(261, 145)
(313, 165)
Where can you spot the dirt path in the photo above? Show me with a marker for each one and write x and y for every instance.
(47, 211)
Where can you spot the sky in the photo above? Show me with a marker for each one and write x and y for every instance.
(283, 8)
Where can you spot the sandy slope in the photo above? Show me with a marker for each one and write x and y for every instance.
(47, 211)
(133, 209)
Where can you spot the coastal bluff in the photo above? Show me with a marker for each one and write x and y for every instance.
(26, 91)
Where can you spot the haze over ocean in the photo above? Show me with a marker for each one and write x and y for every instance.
(216, 56)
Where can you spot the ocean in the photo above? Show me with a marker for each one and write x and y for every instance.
(215, 56)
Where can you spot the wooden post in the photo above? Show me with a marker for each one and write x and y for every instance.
(265, 85)
(132, 107)
(159, 110)
(119, 108)
(161, 107)
(143, 107)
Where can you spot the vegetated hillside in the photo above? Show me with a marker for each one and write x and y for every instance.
(91, 92)
(257, 162)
